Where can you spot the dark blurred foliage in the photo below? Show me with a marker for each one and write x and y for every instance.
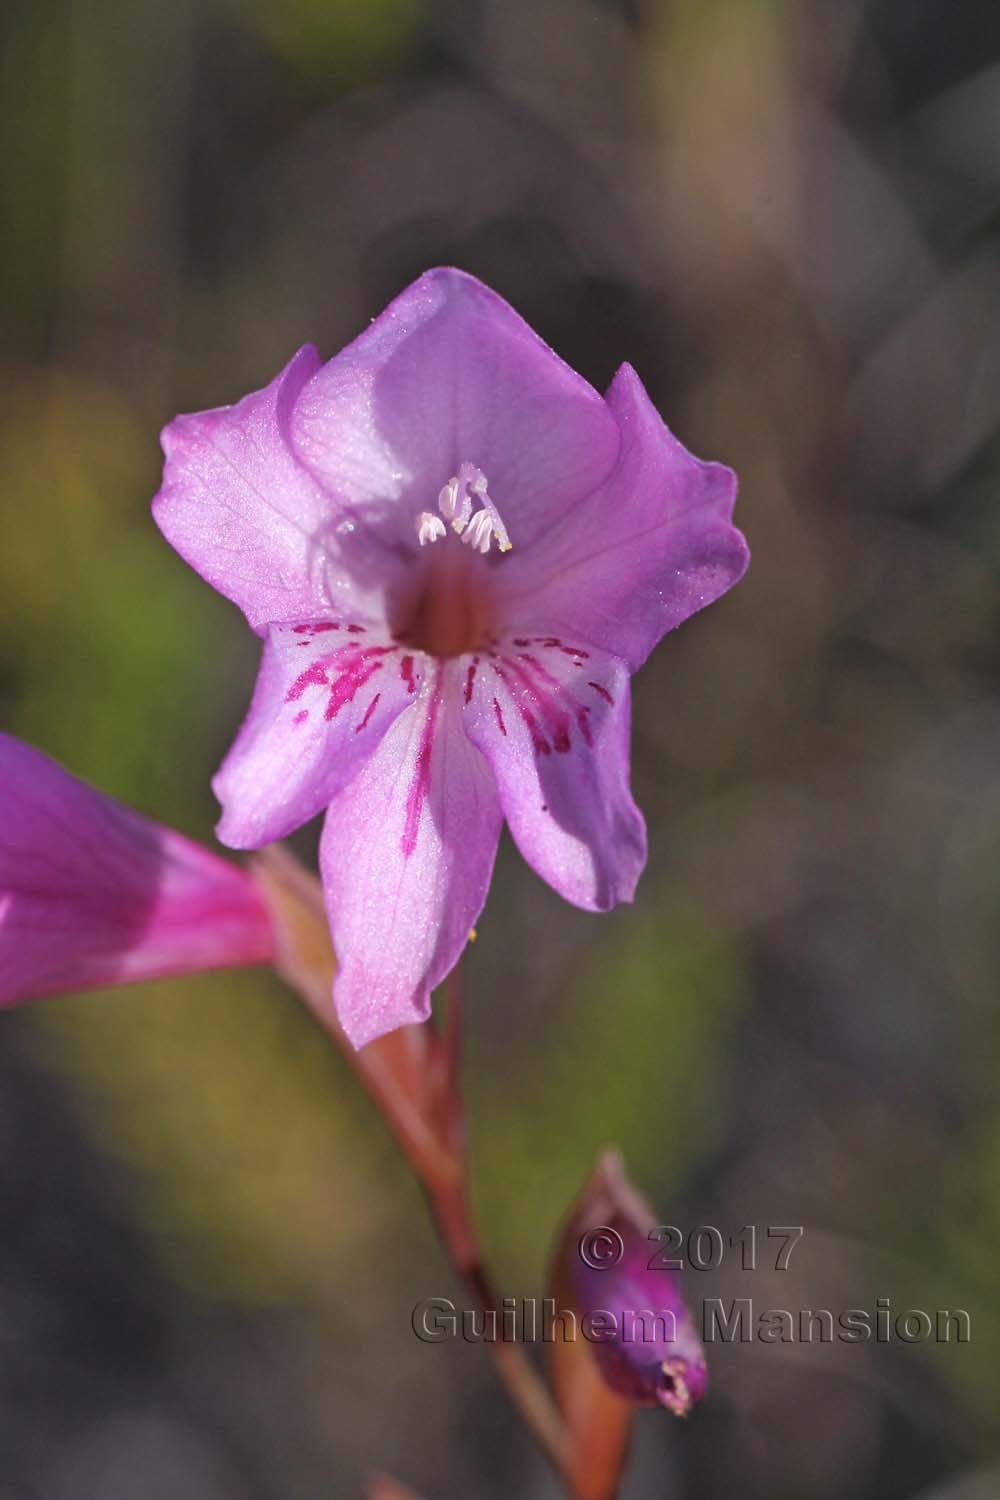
(787, 216)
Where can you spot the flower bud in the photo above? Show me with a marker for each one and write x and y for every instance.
(630, 1307)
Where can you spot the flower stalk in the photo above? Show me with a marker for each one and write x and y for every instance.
(413, 1077)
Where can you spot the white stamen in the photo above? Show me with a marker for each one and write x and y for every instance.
(448, 499)
(455, 502)
(461, 520)
(498, 528)
(429, 527)
(479, 532)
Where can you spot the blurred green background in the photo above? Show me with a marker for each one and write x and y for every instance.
(787, 216)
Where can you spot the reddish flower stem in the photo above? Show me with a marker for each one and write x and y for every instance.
(452, 1212)
(413, 1078)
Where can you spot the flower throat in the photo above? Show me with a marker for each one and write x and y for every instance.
(451, 616)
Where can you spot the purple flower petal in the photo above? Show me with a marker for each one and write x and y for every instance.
(552, 719)
(93, 894)
(325, 696)
(450, 374)
(241, 509)
(651, 547)
(406, 859)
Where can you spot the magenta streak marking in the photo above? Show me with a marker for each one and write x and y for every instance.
(555, 644)
(406, 672)
(356, 629)
(552, 643)
(540, 671)
(314, 674)
(499, 713)
(301, 716)
(315, 629)
(350, 682)
(368, 713)
(470, 679)
(556, 718)
(539, 743)
(420, 785)
(347, 658)
(582, 711)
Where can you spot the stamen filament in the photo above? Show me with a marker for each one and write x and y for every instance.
(455, 499)
(429, 527)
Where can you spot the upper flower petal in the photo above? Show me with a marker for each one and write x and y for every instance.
(326, 694)
(552, 719)
(406, 859)
(93, 894)
(450, 374)
(241, 509)
(652, 546)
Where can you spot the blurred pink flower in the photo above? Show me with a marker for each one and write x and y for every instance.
(650, 1351)
(93, 894)
(456, 552)
(611, 1266)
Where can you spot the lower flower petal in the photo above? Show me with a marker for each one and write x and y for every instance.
(406, 858)
(93, 894)
(326, 694)
(553, 720)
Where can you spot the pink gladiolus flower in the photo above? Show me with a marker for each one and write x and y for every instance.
(456, 552)
(93, 894)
